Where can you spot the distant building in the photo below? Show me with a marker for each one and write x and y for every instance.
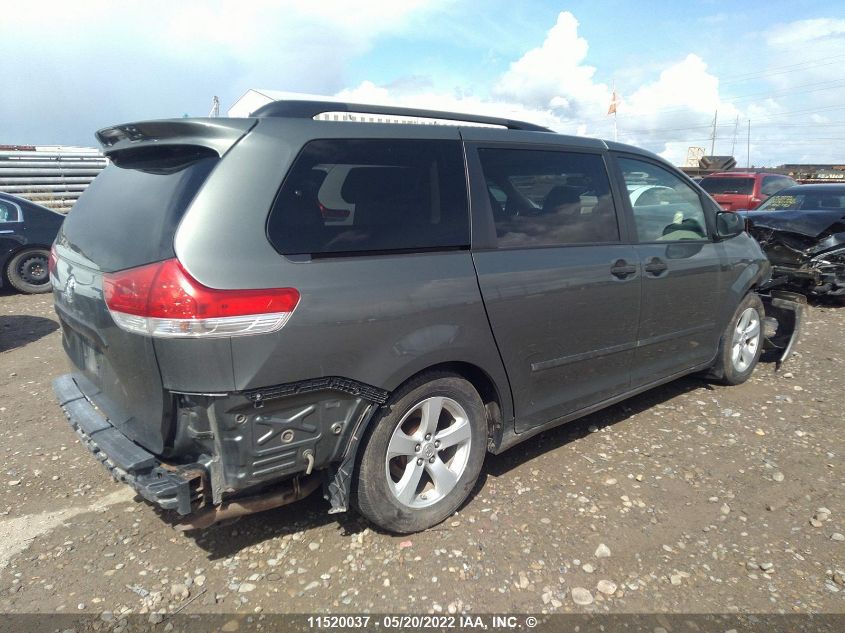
(254, 98)
(815, 173)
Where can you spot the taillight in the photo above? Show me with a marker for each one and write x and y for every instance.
(163, 300)
(52, 261)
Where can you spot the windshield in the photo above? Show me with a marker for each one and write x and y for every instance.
(786, 201)
(743, 186)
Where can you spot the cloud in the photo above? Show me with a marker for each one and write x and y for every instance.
(663, 115)
(684, 85)
(368, 92)
(97, 62)
(805, 31)
(549, 85)
(553, 84)
(90, 64)
(554, 75)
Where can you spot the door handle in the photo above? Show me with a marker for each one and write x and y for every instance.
(656, 266)
(622, 269)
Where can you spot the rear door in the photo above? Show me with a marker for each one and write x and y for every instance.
(681, 264)
(561, 289)
(126, 218)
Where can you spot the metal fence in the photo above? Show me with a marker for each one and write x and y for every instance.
(52, 176)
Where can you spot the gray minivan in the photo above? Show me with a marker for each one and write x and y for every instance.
(257, 307)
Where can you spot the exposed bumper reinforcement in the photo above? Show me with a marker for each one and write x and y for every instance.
(787, 308)
(171, 487)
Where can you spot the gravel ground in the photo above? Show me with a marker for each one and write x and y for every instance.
(689, 498)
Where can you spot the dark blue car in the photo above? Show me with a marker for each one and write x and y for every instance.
(26, 232)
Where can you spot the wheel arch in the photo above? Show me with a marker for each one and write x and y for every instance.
(491, 393)
(342, 476)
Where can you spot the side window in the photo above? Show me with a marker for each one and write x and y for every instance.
(665, 207)
(362, 195)
(773, 184)
(548, 198)
(9, 212)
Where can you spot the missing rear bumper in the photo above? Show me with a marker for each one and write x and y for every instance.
(178, 488)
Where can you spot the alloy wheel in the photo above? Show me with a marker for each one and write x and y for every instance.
(428, 452)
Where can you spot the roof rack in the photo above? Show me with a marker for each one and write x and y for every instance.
(310, 109)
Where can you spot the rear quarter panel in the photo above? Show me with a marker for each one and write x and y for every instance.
(378, 320)
(42, 225)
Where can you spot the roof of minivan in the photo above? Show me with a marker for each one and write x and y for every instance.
(219, 134)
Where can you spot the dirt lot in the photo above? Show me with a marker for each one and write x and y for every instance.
(690, 498)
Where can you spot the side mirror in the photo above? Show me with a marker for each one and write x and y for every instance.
(729, 224)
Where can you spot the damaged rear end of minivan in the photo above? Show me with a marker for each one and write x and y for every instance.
(132, 317)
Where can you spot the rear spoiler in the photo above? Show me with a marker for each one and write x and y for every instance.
(217, 135)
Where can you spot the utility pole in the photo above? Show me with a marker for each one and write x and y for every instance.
(713, 136)
(748, 146)
(215, 106)
(736, 128)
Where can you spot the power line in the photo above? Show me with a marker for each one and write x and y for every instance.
(800, 89)
(728, 126)
(794, 89)
(764, 118)
(780, 70)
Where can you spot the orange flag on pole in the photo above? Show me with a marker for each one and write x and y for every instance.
(613, 103)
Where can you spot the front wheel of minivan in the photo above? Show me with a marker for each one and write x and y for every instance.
(742, 342)
(424, 454)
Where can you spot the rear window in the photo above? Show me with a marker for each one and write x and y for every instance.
(742, 186)
(352, 196)
(796, 200)
(9, 212)
(128, 216)
(773, 184)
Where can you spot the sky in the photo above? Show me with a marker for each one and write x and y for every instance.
(70, 68)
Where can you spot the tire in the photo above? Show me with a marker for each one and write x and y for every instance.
(741, 344)
(425, 480)
(28, 271)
